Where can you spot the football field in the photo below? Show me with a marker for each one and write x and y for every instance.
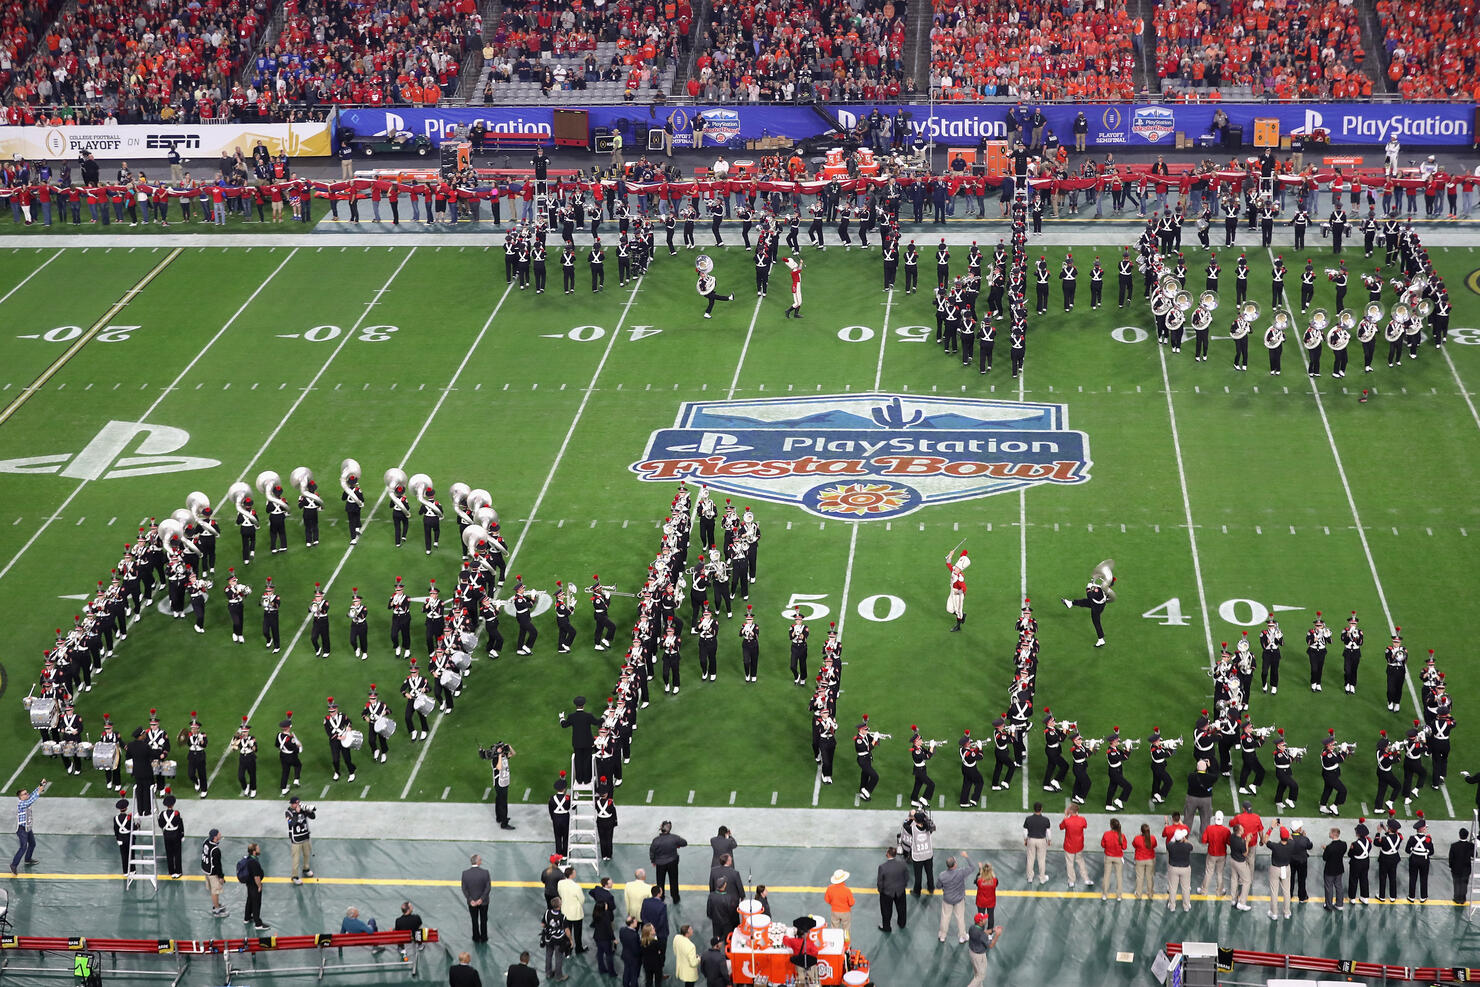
(135, 375)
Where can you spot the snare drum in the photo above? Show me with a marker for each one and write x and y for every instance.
(44, 713)
(84, 750)
(50, 748)
(105, 755)
(450, 679)
(423, 704)
(384, 726)
(166, 769)
(69, 748)
(352, 740)
(461, 660)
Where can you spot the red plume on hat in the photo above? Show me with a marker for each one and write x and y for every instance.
(1382, 733)
(1331, 731)
(865, 717)
(1281, 731)
(562, 773)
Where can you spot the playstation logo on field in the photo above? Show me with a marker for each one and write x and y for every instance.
(104, 457)
(862, 457)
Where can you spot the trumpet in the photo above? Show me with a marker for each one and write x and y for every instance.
(349, 478)
(1069, 726)
(302, 479)
(1093, 743)
(421, 485)
(1332, 273)
(271, 486)
(1345, 748)
(1296, 753)
(395, 488)
(875, 736)
(1262, 732)
(1130, 743)
(1172, 745)
(933, 744)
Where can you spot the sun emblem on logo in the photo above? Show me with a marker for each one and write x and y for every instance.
(861, 499)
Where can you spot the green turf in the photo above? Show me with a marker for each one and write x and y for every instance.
(1273, 523)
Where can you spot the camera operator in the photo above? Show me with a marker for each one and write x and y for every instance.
(298, 814)
(499, 754)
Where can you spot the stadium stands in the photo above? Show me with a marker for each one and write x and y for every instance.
(1284, 49)
(145, 59)
(1431, 48)
(544, 51)
(1037, 50)
(798, 50)
(346, 51)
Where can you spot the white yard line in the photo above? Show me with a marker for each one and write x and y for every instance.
(539, 499)
(1202, 594)
(745, 348)
(1464, 392)
(1351, 503)
(6, 297)
(369, 515)
(149, 411)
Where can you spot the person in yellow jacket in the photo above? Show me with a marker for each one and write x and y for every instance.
(572, 907)
(685, 956)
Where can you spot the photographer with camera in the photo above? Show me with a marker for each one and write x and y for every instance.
(300, 843)
(499, 754)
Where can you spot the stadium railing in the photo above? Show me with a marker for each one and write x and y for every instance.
(173, 956)
(1321, 964)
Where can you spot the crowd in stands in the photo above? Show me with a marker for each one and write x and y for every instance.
(1431, 48)
(800, 51)
(376, 52)
(21, 25)
(153, 60)
(1281, 49)
(556, 44)
(1037, 50)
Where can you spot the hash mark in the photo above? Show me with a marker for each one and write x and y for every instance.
(486, 793)
(526, 795)
(84, 518)
(1156, 528)
(506, 387)
(226, 386)
(560, 523)
(1258, 530)
(788, 526)
(1292, 529)
(365, 792)
(593, 522)
(1225, 529)
(445, 792)
(1395, 531)
(115, 518)
(650, 796)
(478, 386)
(773, 796)
(1430, 531)
(421, 387)
(254, 387)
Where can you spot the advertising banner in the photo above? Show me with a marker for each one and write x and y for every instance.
(1110, 124)
(151, 141)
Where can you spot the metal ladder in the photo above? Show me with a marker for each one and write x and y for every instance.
(143, 862)
(1472, 907)
(582, 847)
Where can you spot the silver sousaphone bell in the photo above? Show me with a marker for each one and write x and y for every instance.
(1103, 575)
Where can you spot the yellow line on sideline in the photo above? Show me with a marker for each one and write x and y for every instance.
(414, 882)
(85, 338)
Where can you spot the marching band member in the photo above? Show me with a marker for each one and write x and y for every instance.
(1119, 788)
(1414, 751)
(1313, 340)
(920, 754)
(1387, 780)
(309, 505)
(1358, 857)
(1249, 744)
(196, 742)
(707, 287)
(606, 817)
(559, 807)
(1270, 641)
(1333, 790)
(112, 775)
(172, 831)
(864, 743)
(750, 646)
(1395, 658)
(1351, 652)
(601, 600)
(318, 616)
(277, 520)
(490, 609)
(1389, 849)
(1317, 638)
(359, 625)
(431, 518)
(1096, 599)
(246, 520)
(289, 747)
(1284, 761)
(338, 727)
(971, 776)
(671, 644)
(956, 598)
(1055, 768)
(523, 613)
(245, 746)
(271, 603)
(400, 608)
(123, 827)
(413, 687)
(236, 594)
(354, 503)
(199, 588)
(440, 665)
(708, 630)
(1079, 753)
(798, 632)
(400, 514)
(1003, 755)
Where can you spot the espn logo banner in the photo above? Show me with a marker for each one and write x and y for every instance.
(204, 142)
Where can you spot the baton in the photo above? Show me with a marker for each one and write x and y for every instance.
(958, 545)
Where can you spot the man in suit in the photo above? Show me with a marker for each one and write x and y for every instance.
(462, 974)
(521, 974)
(894, 879)
(712, 965)
(475, 888)
(582, 726)
(635, 892)
(725, 870)
(720, 845)
(655, 913)
(631, 941)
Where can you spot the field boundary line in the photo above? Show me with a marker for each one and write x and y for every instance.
(1351, 502)
(25, 280)
(539, 499)
(87, 337)
(149, 411)
(328, 583)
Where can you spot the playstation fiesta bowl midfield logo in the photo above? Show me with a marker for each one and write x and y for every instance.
(1153, 123)
(860, 457)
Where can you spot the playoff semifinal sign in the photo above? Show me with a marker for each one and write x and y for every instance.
(150, 141)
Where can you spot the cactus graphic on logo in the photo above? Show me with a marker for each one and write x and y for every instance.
(863, 457)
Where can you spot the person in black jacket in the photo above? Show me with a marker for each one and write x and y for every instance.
(255, 875)
(1461, 860)
(582, 726)
(663, 852)
(461, 974)
(1300, 847)
(603, 915)
(1334, 855)
(142, 755)
(712, 965)
(631, 942)
(893, 881)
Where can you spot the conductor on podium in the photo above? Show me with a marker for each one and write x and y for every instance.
(582, 726)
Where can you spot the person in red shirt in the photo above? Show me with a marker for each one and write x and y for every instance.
(986, 890)
(1074, 825)
(1114, 843)
(1173, 823)
(1215, 838)
(1251, 828)
(1144, 847)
